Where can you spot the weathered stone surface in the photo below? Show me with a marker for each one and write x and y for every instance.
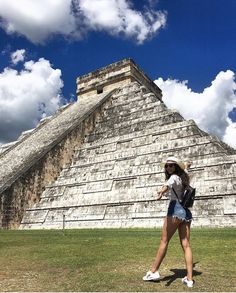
(104, 171)
(38, 158)
(116, 75)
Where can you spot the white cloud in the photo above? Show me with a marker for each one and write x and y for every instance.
(118, 18)
(230, 134)
(210, 108)
(26, 96)
(38, 20)
(17, 56)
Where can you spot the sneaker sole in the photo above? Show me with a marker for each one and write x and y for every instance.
(151, 280)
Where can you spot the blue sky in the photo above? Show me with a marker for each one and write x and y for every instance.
(187, 46)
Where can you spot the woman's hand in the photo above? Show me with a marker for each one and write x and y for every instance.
(159, 195)
(161, 192)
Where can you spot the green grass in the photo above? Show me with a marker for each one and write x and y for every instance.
(112, 260)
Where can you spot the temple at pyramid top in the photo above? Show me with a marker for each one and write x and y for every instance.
(97, 163)
(114, 76)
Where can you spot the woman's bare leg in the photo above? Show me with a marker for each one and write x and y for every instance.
(169, 227)
(184, 236)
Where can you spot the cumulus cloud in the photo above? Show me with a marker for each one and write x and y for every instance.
(38, 20)
(230, 134)
(17, 56)
(118, 18)
(210, 109)
(26, 96)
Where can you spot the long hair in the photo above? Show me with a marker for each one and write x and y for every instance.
(181, 173)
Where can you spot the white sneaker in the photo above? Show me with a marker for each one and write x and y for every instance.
(150, 276)
(188, 283)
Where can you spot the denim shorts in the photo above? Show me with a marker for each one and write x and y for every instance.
(176, 210)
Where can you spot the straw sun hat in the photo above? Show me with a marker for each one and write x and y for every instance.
(176, 161)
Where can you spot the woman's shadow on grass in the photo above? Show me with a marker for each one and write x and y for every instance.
(179, 273)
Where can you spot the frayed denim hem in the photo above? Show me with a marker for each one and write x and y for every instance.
(181, 219)
(176, 210)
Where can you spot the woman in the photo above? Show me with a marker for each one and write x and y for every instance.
(177, 218)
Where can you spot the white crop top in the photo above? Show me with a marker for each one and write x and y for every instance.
(174, 182)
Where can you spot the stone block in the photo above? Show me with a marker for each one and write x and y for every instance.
(85, 213)
(34, 216)
(118, 212)
(229, 205)
(149, 209)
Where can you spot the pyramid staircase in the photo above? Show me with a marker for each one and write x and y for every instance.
(114, 173)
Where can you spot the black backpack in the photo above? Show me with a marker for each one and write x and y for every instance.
(188, 197)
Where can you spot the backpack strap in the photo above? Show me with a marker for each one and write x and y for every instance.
(176, 194)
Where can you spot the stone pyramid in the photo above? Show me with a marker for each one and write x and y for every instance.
(97, 163)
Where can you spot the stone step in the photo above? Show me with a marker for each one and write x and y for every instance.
(137, 103)
(119, 113)
(76, 197)
(122, 169)
(138, 181)
(165, 132)
(142, 161)
(132, 98)
(133, 87)
(142, 146)
(93, 202)
(165, 140)
(142, 165)
(193, 146)
(136, 117)
(209, 220)
(117, 129)
(147, 180)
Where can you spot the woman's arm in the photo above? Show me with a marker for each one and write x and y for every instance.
(162, 191)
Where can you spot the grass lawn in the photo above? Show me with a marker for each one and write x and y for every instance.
(112, 260)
